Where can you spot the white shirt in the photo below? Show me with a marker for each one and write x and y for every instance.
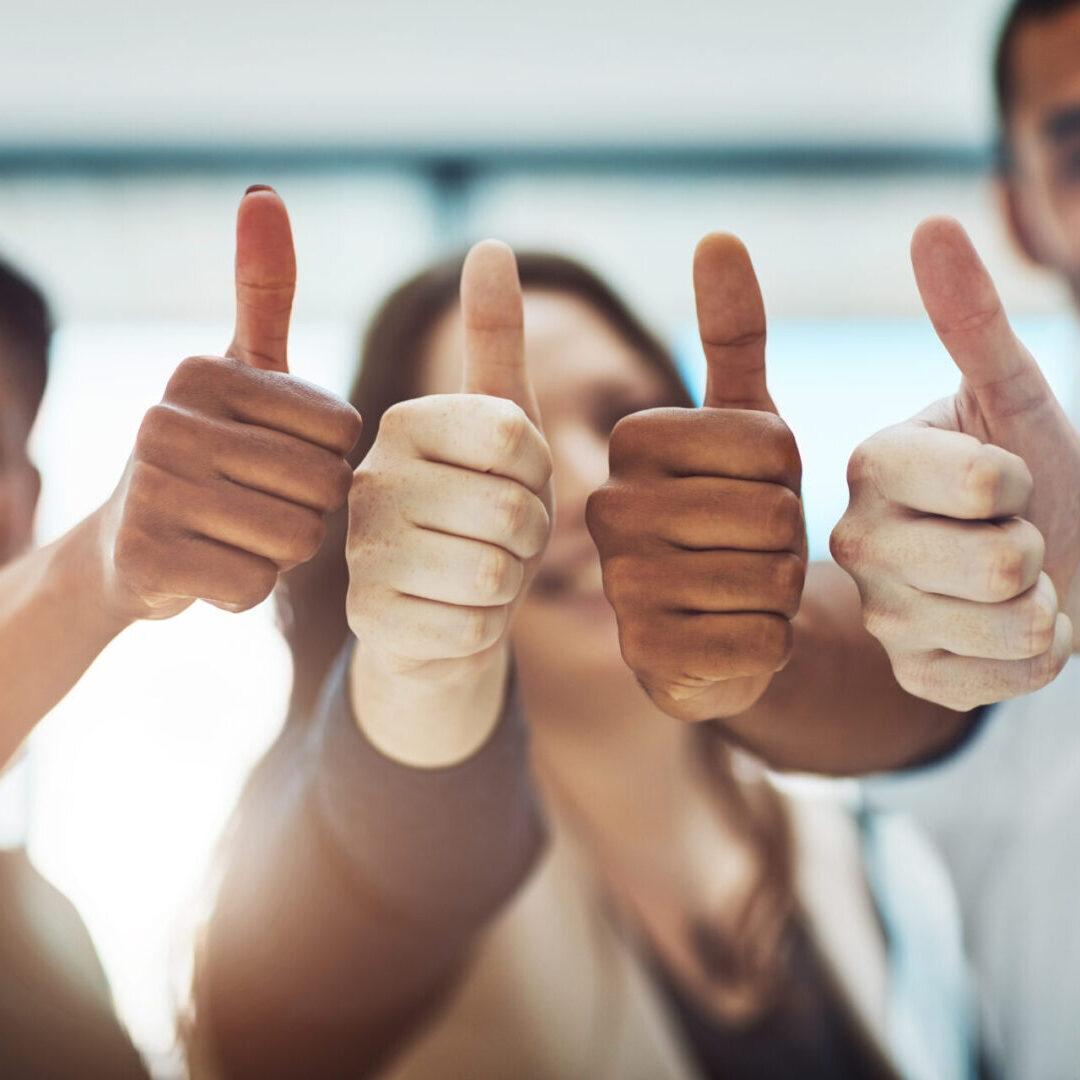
(1004, 812)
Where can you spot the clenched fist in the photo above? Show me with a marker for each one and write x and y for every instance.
(963, 529)
(236, 468)
(448, 516)
(700, 526)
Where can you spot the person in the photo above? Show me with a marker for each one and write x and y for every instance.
(963, 535)
(1004, 808)
(387, 905)
(227, 486)
(1037, 92)
(231, 476)
(56, 1012)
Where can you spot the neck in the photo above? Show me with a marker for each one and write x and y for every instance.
(624, 773)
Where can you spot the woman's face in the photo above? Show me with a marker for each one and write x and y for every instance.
(586, 379)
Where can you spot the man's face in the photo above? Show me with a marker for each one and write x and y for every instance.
(1044, 136)
(19, 482)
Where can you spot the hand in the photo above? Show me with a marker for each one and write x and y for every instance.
(700, 526)
(450, 512)
(236, 468)
(963, 530)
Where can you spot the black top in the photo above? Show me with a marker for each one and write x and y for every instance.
(356, 887)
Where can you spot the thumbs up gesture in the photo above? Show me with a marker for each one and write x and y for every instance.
(700, 526)
(963, 529)
(236, 468)
(448, 516)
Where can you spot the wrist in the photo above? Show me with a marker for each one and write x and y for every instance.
(80, 575)
(430, 719)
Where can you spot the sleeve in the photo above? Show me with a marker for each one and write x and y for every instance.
(353, 891)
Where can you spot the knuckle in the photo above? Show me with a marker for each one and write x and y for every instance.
(636, 644)
(305, 535)
(154, 439)
(481, 628)
(499, 576)
(846, 544)
(622, 577)
(513, 509)
(982, 483)
(339, 481)
(912, 673)
(1005, 564)
(773, 642)
(1044, 669)
(627, 435)
(789, 577)
(256, 586)
(347, 425)
(367, 488)
(786, 518)
(1037, 625)
(148, 494)
(785, 449)
(398, 419)
(604, 512)
(191, 377)
(510, 430)
(862, 465)
(360, 605)
(881, 620)
(921, 677)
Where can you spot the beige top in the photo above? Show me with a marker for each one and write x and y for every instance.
(558, 992)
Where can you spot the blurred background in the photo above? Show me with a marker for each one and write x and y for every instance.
(396, 131)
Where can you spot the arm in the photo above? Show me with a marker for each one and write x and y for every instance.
(54, 620)
(372, 852)
(229, 482)
(963, 533)
(701, 534)
(355, 890)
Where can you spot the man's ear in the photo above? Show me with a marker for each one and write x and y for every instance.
(1010, 202)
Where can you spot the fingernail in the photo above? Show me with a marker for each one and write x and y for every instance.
(259, 187)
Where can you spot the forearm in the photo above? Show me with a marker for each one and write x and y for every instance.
(836, 707)
(355, 888)
(53, 624)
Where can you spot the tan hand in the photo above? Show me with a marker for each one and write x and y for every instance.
(700, 526)
(236, 468)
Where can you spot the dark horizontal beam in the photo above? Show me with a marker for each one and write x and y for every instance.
(469, 163)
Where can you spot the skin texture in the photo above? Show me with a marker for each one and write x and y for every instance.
(448, 515)
(1041, 187)
(700, 525)
(605, 758)
(700, 531)
(228, 484)
(963, 530)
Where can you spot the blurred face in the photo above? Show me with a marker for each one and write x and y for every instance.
(586, 379)
(19, 483)
(1044, 134)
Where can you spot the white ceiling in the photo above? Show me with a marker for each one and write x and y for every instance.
(488, 72)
